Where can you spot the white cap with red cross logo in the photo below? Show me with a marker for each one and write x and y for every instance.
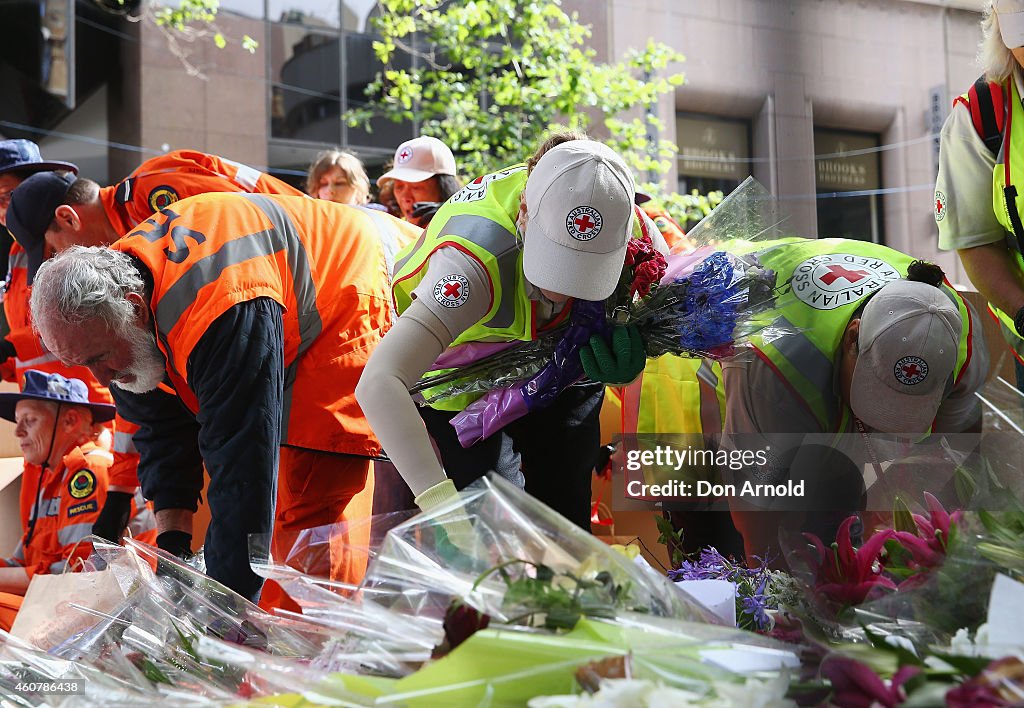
(908, 343)
(419, 159)
(579, 207)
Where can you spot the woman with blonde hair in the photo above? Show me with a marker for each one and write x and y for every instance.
(978, 196)
(338, 176)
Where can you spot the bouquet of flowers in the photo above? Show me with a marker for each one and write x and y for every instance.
(703, 303)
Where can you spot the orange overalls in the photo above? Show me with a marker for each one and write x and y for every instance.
(154, 184)
(58, 509)
(327, 266)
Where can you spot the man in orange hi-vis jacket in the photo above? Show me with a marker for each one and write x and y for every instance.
(64, 484)
(83, 213)
(261, 311)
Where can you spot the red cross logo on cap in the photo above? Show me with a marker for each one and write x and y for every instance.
(584, 223)
(911, 370)
(452, 290)
(405, 154)
(835, 272)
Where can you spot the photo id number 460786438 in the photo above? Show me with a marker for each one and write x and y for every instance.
(69, 687)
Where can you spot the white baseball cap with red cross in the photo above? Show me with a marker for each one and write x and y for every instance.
(419, 159)
(908, 343)
(579, 206)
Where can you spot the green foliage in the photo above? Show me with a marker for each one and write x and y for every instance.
(671, 537)
(492, 77)
(197, 17)
(560, 599)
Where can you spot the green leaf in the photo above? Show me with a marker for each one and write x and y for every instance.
(965, 485)
(902, 517)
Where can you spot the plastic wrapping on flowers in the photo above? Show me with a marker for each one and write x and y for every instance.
(487, 604)
(514, 538)
(493, 600)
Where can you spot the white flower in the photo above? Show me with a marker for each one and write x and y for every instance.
(754, 693)
(961, 643)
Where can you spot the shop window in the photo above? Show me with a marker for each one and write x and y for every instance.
(848, 183)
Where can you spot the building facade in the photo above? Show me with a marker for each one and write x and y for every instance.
(834, 105)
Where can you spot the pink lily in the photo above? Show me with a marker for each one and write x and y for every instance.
(928, 545)
(846, 575)
(855, 685)
(994, 687)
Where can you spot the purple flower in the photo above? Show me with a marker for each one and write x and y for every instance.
(756, 604)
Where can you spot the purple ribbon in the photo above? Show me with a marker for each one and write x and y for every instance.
(496, 409)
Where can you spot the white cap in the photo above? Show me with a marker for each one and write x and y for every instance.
(419, 159)
(579, 205)
(1011, 22)
(908, 342)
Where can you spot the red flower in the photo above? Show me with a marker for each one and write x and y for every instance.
(855, 685)
(845, 575)
(996, 686)
(928, 545)
(648, 266)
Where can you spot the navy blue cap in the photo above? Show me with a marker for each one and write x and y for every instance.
(31, 211)
(40, 386)
(24, 155)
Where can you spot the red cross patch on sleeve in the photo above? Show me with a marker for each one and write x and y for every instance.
(452, 290)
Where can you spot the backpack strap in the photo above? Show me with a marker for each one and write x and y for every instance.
(986, 102)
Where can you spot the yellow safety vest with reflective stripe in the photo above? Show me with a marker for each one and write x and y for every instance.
(1008, 201)
(823, 283)
(675, 395)
(480, 220)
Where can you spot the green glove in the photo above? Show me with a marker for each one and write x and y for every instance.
(619, 365)
(456, 535)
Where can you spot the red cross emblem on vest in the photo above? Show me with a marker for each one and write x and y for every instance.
(835, 272)
(452, 290)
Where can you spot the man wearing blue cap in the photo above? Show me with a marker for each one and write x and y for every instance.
(19, 160)
(65, 480)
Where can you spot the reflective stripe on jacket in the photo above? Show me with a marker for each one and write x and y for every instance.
(323, 263)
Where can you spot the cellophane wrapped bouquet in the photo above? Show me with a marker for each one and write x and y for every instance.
(703, 303)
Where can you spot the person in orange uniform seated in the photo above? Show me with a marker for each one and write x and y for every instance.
(83, 213)
(261, 311)
(670, 229)
(64, 484)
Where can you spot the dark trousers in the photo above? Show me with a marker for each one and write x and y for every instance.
(553, 450)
